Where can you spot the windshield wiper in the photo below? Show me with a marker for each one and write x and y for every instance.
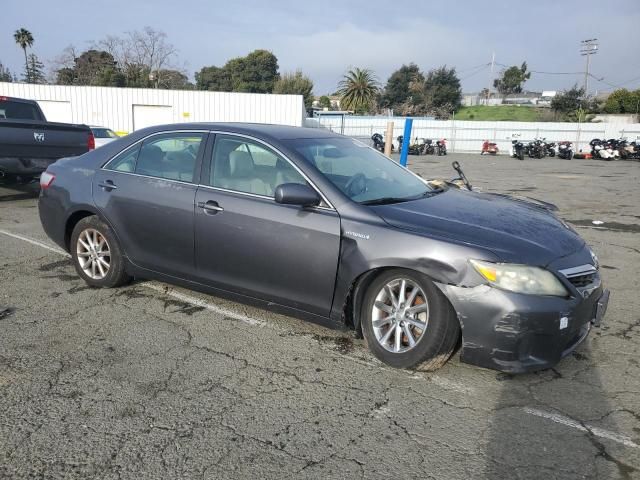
(386, 200)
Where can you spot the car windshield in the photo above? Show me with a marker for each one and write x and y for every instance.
(360, 172)
(103, 133)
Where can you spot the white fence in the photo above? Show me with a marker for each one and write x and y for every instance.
(128, 109)
(467, 136)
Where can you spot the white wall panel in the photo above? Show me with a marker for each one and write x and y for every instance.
(467, 136)
(113, 107)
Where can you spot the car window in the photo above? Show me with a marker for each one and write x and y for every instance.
(243, 165)
(103, 133)
(171, 156)
(360, 172)
(125, 161)
(18, 110)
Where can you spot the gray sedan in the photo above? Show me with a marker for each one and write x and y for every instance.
(320, 226)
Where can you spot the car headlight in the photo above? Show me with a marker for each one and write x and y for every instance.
(520, 278)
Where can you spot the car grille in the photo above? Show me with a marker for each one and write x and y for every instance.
(582, 280)
(582, 276)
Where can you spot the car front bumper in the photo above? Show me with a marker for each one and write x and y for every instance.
(515, 333)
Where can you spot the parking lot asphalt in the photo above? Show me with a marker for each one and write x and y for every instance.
(151, 381)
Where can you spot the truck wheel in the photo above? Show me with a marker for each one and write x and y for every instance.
(407, 321)
(97, 255)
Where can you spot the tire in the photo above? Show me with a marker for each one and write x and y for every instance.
(109, 270)
(434, 344)
(521, 155)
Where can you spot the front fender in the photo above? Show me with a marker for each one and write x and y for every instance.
(370, 248)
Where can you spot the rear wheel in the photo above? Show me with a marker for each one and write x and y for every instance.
(96, 254)
(407, 322)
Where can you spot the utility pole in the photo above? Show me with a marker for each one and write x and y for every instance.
(587, 48)
(493, 63)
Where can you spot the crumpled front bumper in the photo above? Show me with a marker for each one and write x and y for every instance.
(513, 332)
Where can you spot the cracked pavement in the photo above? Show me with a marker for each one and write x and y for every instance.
(138, 383)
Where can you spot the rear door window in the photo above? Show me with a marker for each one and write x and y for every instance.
(171, 156)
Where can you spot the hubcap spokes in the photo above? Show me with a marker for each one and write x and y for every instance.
(400, 315)
(94, 255)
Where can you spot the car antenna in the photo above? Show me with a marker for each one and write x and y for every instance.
(456, 166)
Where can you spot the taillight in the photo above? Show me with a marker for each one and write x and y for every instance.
(91, 143)
(46, 179)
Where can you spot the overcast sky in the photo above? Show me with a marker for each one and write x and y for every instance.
(325, 37)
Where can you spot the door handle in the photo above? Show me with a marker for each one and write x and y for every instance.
(210, 207)
(108, 185)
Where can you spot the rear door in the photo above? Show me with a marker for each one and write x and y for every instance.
(248, 243)
(147, 193)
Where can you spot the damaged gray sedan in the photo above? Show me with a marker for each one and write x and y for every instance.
(320, 226)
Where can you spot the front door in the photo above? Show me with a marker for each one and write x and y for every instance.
(248, 243)
(147, 194)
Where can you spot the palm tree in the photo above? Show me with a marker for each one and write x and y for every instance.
(358, 89)
(24, 38)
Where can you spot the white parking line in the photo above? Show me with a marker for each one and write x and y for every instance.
(166, 290)
(34, 242)
(158, 288)
(570, 422)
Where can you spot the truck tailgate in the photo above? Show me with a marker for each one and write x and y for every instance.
(35, 139)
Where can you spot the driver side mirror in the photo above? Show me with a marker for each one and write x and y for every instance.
(297, 194)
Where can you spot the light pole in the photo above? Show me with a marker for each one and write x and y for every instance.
(587, 48)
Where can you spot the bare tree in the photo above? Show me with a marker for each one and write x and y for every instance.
(144, 56)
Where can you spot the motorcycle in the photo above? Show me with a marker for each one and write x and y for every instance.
(550, 148)
(603, 149)
(489, 148)
(536, 149)
(565, 150)
(441, 147)
(421, 146)
(517, 149)
(379, 143)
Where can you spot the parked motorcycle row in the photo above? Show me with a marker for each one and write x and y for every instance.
(613, 149)
(420, 146)
(540, 148)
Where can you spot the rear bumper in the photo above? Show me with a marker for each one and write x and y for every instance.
(516, 333)
(24, 167)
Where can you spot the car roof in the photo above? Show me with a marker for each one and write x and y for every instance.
(277, 132)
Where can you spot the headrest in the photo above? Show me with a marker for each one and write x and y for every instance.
(241, 164)
(151, 153)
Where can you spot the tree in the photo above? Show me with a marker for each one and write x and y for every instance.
(255, 73)
(216, 79)
(173, 80)
(5, 74)
(143, 57)
(403, 89)
(358, 90)
(573, 104)
(324, 102)
(93, 67)
(512, 79)
(24, 38)
(442, 90)
(35, 70)
(623, 101)
(296, 84)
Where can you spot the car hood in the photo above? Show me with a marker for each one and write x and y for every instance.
(516, 230)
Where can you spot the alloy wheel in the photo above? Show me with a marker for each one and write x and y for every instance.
(94, 254)
(400, 315)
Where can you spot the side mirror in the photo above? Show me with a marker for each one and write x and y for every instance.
(297, 194)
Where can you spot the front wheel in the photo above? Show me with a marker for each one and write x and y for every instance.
(96, 254)
(406, 321)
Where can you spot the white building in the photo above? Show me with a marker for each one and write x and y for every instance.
(127, 109)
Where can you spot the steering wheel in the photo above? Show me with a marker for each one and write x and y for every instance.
(356, 185)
